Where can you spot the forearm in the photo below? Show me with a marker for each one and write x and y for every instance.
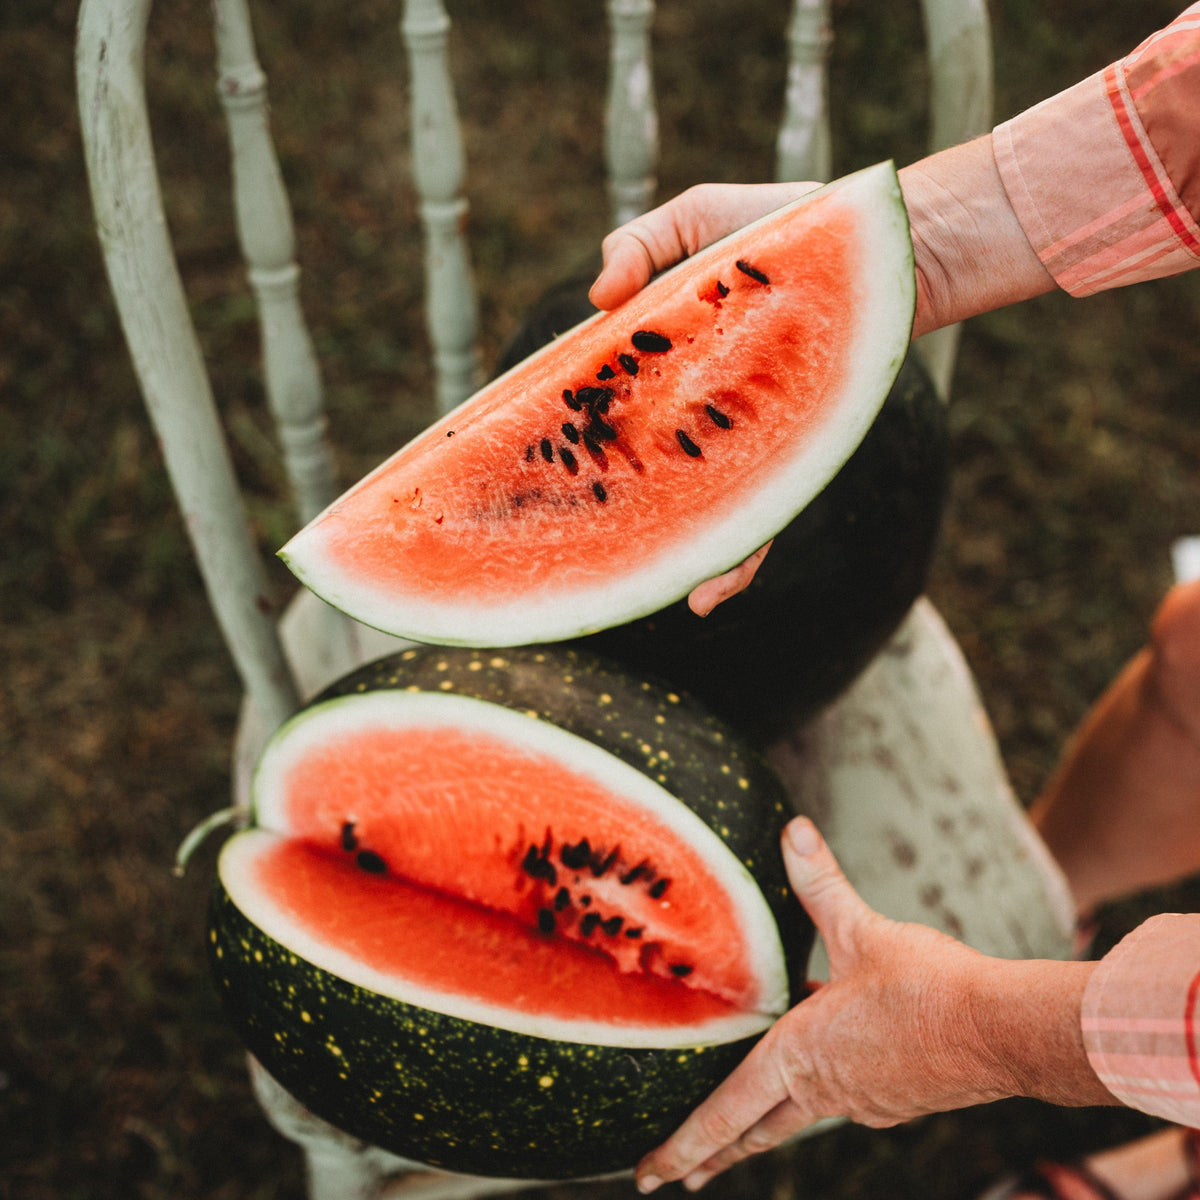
(1025, 1018)
(971, 253)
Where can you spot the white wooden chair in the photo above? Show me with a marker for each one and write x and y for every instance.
(902, 773)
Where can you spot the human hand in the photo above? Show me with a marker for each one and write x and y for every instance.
(658, 239)
(635, 251)
(890, 1037)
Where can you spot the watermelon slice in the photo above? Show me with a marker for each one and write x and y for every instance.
(646, 450)
(506, 914)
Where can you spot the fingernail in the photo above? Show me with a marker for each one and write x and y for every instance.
(647, 1183)
(802, 834)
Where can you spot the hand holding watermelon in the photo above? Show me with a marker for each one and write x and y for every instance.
(970, 253)
(639, 249)
(912, 1022)
(645, 451)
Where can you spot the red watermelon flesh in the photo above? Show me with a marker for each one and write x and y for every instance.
(648, 449)
(403, 844)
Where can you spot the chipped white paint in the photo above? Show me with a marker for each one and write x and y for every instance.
(439, 168)
(631, 118)
(959, 47)
(264, 222)
(162, 342)
(802, 149)
(904, 779)
(960, 57)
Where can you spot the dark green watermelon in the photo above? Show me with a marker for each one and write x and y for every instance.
(833, 589)
(488, 1079)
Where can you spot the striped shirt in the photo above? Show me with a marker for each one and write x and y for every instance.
(1140, 1018)
(1105, 181)
(1105, 177)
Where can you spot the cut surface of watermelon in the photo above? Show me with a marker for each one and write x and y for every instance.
(646, 450)
(403, 844)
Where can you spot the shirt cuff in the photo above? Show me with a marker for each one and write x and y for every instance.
(1140, 1021)
(1081, 196)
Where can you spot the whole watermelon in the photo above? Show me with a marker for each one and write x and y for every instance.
(506, 912)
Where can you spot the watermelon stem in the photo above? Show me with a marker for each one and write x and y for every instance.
(234, 815)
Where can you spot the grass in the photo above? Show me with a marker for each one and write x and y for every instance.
(1075, 438)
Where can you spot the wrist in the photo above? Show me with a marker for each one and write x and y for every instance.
(970, 251)
(1025, 1022)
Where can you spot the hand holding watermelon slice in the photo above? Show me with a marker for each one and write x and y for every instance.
(970, 256)
(649, 449)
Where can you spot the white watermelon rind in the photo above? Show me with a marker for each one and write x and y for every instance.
(398, 710)
(885, 303)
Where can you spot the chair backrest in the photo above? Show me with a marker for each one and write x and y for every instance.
(922, 673)
(154, 311)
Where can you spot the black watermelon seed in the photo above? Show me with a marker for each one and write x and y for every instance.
(591, 442)
(349, 841)
(605, 372)
(370, 862)
(585, 901)
(547, 450)
(593, 397)
(635, 932)
(588, 925)
(689, 447)
(635, 873)
(568, 460)
(574, 857)
(570, 433)
(546, 923)
(561, 899)
(722, 290)
(572, 400)
(601, 866)
(612, 926)
(538, 866)
(679, 970)
(599, 492)
(602, 430)
(657, 889)
(754, 273)
(629, 363)
(529, 452)
(718, 417)
(650, 342)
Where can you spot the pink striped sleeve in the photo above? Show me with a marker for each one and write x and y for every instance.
(1140, 1020)
(1101, 175)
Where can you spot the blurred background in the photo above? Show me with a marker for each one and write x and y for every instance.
(1075, 440)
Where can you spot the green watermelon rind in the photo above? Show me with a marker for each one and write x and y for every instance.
(885, 306)
(479, 1091)
(448, 1092)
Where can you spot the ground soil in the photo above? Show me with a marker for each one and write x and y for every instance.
(1075, 436)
